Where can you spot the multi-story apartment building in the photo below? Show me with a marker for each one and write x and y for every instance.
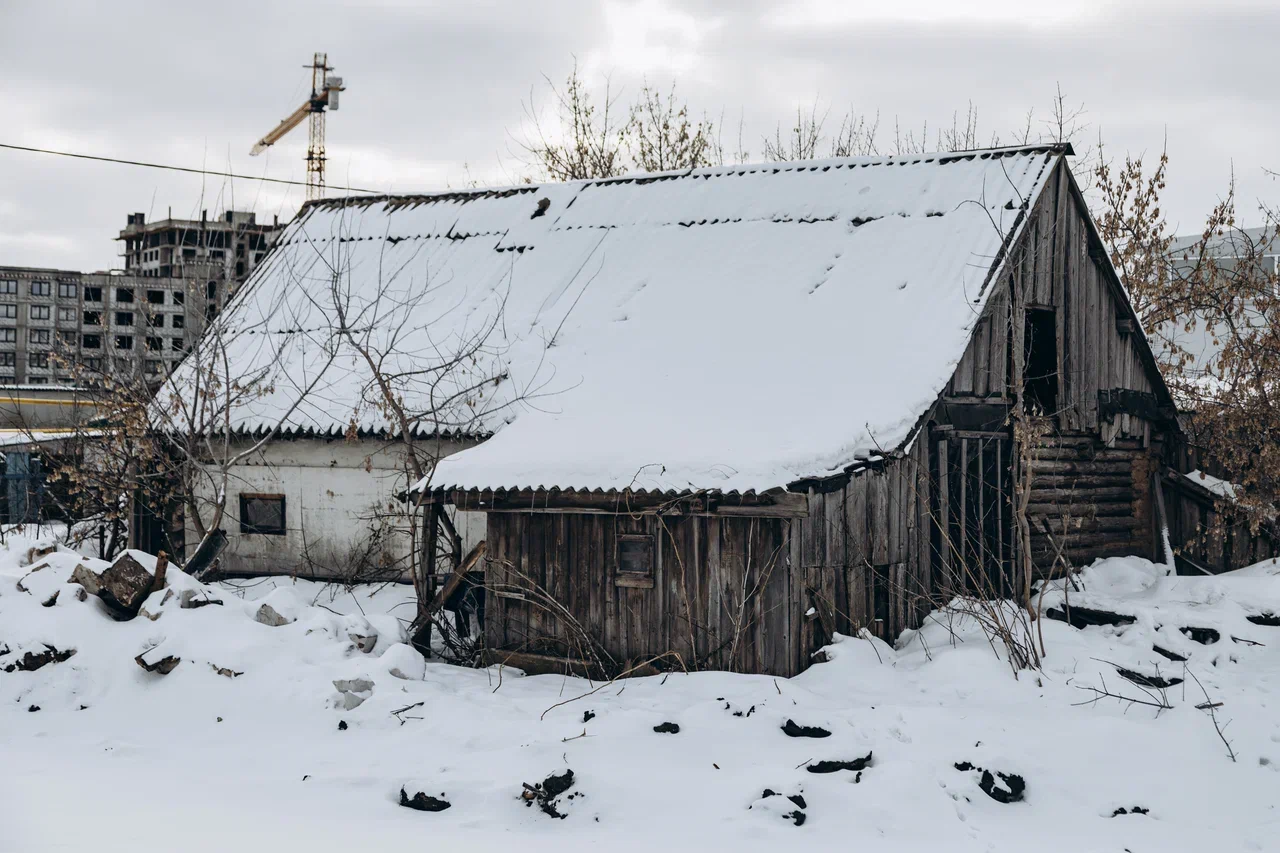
(225, 249)
(61, 327)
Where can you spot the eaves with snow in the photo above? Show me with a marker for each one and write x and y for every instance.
(735, 329)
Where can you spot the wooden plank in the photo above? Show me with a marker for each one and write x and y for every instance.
(857, 551)
(878, 515)
(715, 588)
(981, 344)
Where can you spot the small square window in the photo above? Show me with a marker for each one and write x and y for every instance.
(179, 297)
(66, 290)
(9, 311)
(68, 337)
(93, 363)
(38, 336)
(8, 336)
(38, 359)
(152, 367)
(124, 341)
(93, 294)
(40, 312)
(635, 560)
(124, 294)
(66, 315)
(178, 321)
(124, 318)
(8, 359)
(9, 286)
(155, 297)
(177, 344)
(40, 288)
(93, 318)
(155, 344)
(92, 342)
(262, 514)
(156, 321)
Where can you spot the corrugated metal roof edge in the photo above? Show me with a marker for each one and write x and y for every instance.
(939, 157)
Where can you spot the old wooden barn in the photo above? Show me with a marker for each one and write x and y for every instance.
(733, 411)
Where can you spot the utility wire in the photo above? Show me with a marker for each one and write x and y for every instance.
(176, 168)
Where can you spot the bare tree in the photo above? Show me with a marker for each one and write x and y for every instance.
(589, 141)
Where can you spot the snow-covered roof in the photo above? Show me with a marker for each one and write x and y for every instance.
(735, 328)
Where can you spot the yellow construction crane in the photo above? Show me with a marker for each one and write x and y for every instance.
(324, 95)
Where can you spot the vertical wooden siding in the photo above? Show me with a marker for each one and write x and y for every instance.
(726, 594)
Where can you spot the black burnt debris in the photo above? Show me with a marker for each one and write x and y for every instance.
(856, 765)
(1001, 787)
(423, 802)
(546, 793)
(793, 729)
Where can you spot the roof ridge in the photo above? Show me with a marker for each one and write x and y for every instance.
(476, 193)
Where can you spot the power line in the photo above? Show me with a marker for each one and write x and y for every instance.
(175, 168)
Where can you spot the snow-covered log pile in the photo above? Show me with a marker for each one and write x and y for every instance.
(309, 729)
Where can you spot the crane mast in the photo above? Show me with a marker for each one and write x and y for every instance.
(324, 96)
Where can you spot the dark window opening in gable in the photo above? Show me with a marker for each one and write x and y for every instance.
(262, 514)
(635, 560)
(1040, 361)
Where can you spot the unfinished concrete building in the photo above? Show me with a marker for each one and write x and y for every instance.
(60, 326)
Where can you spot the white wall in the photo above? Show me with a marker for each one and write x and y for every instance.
(335, 491)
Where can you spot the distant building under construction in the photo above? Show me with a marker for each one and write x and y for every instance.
(60, 327)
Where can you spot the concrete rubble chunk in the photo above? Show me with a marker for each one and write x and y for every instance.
(267, 615)
(123, 585)
(406, 662)
(354, 691)
(158, 660)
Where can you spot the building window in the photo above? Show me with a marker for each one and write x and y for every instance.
(9, 311)
(93, 363)
(40, 312)
(262, 514)
(155, 344)
(635, 560)
(9, 286)
(37, 380)
(66, 290)
(40, 288)
(8, 359)
(124, 318)
(155, 321)
(66, 315)
(92, 342)
(211, 290)
(93, 294)
(6, 378)
(124, 341)
(155, 297)
(38, 360)
(67, 337)
(152, 367)
(93, 318)
(8, 336)
(124, 294)
(178, 321)
(177, 344)
(38, 336)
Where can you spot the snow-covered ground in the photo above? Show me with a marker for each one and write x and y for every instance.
(117, 758)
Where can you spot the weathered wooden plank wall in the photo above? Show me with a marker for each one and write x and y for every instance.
(1054, 266)
(725, 592)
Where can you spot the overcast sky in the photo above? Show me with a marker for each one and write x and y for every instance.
(436, 90)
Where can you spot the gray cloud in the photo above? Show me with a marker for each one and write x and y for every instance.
(436, 89)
